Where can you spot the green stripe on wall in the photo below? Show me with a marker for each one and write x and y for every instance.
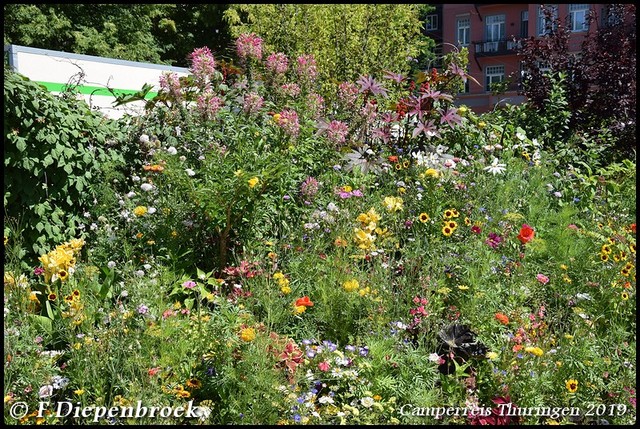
(91, 90)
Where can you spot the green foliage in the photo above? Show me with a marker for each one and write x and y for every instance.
(54, 153)
(347, 40)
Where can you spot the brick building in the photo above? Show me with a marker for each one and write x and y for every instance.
(492, 33)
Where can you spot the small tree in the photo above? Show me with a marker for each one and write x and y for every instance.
(601, 79)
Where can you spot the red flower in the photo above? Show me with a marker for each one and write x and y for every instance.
(304, 302)
(393, 158)
(526, 234)
(633, 227)
(502, 318)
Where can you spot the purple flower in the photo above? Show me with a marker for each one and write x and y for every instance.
(450, 117)
(38, 270)
(493, 240)
(367, 83)
(363, 351)
(189, 284)
(143, 309)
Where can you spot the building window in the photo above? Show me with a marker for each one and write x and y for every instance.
(463, 30)
(431, 23)
(546, 24)
(524, 23)
(578, 16)
(494, 32)
(493, 74)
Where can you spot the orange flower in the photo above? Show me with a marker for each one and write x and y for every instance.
(526, 234)
(393, 158)
(304, 302)
(502, 318)
(154, 168)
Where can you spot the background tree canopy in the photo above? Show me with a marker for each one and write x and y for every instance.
(158, 33)
(347, 40)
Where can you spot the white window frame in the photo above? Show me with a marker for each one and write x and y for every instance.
(576, 10)
(494, 32)
(493, 74)
(542, 25)
(463, 24)
(431, 23)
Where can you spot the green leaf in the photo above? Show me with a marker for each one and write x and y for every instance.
(47, 305)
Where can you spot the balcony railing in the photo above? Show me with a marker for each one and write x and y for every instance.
(500, 47)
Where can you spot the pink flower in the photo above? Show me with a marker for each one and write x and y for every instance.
(290, 89)
(249, 46)
(289, 122)
(542, 279)
(202, 65)
(277, 63)
(348, 93)
(307, 67)
(189, 284)
(209, 104)
(324, 366)
(337, 132)
(170, 83)
(315, 104)
(253, 102)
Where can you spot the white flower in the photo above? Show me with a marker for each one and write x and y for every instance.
(139, 273)
(59, 382)
(496, 167)
(190, 172)
(434, 357)
(135, 178)
(325, 399)
(144, 138)
(583, 296)
(151, 210)
(367, 402)
(146, 187)
(172, 150)
(45, 391)
(111, 264)
(131, 194)
(332, 207)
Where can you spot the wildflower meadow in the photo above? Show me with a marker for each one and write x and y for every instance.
(255, 249)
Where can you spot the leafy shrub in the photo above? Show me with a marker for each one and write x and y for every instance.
(56, 150)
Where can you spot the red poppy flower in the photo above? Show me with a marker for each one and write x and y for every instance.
(393, 158)
(526, 234)
(304, 302)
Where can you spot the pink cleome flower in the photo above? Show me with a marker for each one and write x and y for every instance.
(249, 46)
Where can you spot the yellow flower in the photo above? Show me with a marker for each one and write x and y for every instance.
(299, 309)
(248, 334)
(393, 204)
(278, 275)
(492, 355)
(63, 275)
(347, 188)
(571, 385)
(537, 351)
(351, 285)
(276, 118)
(432, 172)
(424, 217)
(624, 296)
(253, 182)
(6, 240)
(447, 231)
(79, 392)
(7, 398)
(462, 110)
(285, 290)
(238, 173)
(482, 124)
(140, 211)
